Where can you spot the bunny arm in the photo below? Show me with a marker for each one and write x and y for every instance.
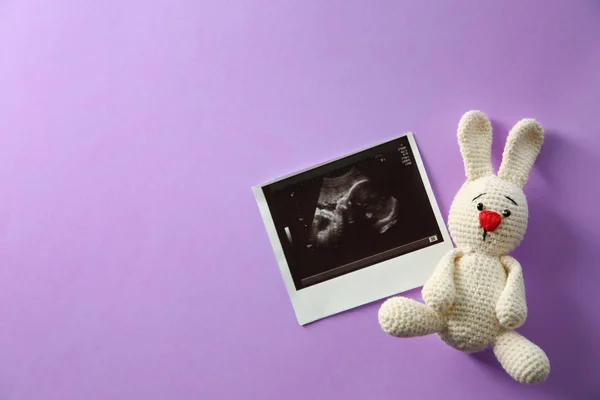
(511, 308)
(439, 291)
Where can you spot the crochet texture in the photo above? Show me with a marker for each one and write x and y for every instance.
(475, 297)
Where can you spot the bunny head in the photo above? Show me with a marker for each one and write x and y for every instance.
(489, 213)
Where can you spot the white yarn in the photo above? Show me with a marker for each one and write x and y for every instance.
(476, 295)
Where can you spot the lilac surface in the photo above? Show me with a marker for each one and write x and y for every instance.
(134, 263)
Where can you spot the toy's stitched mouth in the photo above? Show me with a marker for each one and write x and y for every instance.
(484, 234)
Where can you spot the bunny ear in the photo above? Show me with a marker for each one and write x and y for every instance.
(475, 142)
(522, 148)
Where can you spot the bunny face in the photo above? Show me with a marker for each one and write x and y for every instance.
(489, 213)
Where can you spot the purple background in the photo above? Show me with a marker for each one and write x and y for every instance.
(133, 260)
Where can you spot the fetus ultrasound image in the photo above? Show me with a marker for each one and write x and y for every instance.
(352, 213)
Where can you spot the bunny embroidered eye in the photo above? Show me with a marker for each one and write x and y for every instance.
(511, 200)
(506, 213)
(480, 206)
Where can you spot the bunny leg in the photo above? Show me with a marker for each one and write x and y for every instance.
(522, 359)
(403, 317)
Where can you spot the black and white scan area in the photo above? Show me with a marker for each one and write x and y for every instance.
(350, 205)
(352, 213)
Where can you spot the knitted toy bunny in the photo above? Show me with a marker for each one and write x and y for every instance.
(476, 294)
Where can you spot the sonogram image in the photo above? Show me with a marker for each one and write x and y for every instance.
(348, 205)
(352, 213)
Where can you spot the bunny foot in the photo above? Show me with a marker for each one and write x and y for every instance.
(522, 359)
(403, 317)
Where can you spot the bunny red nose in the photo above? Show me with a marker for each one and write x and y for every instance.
(489, 220)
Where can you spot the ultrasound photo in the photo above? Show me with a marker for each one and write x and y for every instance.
(350, 202)
(352, 213)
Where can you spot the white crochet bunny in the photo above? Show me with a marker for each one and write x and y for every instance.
(476, 295)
